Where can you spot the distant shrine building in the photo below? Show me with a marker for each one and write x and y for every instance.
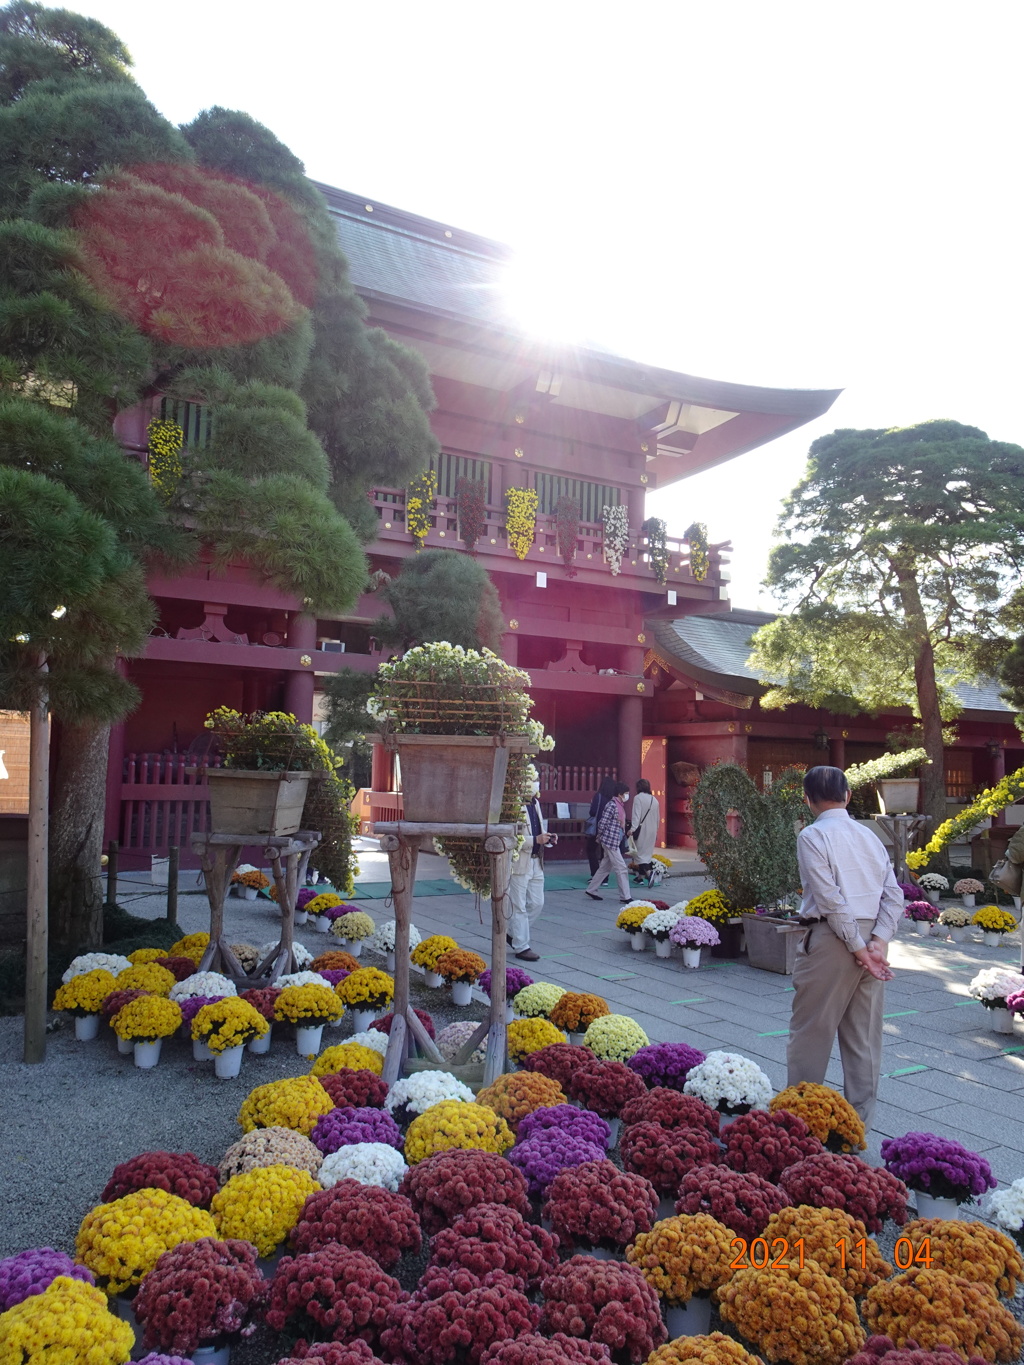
(630, 674)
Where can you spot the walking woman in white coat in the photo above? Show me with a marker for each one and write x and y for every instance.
(645, 816)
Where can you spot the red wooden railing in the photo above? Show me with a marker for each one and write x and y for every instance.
(162, 803)
(571, 782)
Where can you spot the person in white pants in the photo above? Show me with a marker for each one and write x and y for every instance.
(526, 886)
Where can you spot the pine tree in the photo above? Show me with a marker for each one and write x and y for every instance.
(138, 259)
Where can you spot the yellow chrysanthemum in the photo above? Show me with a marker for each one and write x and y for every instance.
(298, 1103)
(69, 1323)
(192, 945)
(530, 1035)
(455, 1123)
(426, 953)
(366, 988)
(143, 955)
(85, 993)
(147, 1018)
(122, 1241)
(308, 1005)
(146, 976)
(262, 1206)
(352, 1055)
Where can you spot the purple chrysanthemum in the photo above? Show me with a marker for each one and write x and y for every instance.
(516, 980)
(565, 1118)
(333, 974)
(666, 1064)
(192, 1004)
(541, 1157)
(937, 1166)
(306, 894)
(343, 1127)
(30, 1272)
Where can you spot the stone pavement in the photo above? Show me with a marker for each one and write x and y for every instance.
(945, 1070)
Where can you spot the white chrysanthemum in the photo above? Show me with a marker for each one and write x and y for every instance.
(203, 983)
(302, 979)
(371, 1163)
(680, 906)
(726, 1078)
(933, 881)
(246, 867)
(659, 922)
(1006, 1207)
(372, 1038)
(634, 905)
(418, 1092)
(384, 937)
(303, 957)
(996, 983)
(93, 962)
(453, 1036)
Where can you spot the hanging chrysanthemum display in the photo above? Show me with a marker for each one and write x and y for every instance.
(472, 509)
(700, 560)
(616, 535)
(567, 529)
(521, 519)
(419, 504)
(165, 441)
(657, 547)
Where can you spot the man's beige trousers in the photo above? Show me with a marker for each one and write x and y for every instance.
(834, 994)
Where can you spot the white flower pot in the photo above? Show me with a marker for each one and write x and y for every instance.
(968, 900)
(301, 917)
(923, 927)
(932, 896)
(126, 1046)
(249, 893)
(433, 980)
(200, 1052)
(1016, 902)
(147, 1054)
(228, 1064)
(616, 1127)
(958, 932)
(211, 1355)
(691, 1319)
(1002, 1020)
(663, 947)
(322, 924)
(462, 992)
(510, 1012)
(336, 1023)
(389, 963)
(930, 1207)
(307, 1040)
(691, 957)
(991, 939)
(577, 1039)
(362, 1019)
(260, 1046)
(603, 1254)
(353, 946)
(636, 942)
(87, 1026)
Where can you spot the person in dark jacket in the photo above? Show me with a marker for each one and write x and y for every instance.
(611, 829)
(601, 798)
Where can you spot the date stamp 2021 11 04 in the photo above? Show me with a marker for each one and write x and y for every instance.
(778, 1254)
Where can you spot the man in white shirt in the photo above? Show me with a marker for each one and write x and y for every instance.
(526, 885)
(851, 905)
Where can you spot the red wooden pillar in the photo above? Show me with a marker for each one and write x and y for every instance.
(837, 752)
(298, 687)
(381, 769)
(631, 736)
(998, 768)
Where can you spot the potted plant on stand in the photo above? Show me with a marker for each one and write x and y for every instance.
(955, 920)
(994, 923)
(685, 1259)
(692, 933)
(993, 987)
(366, 993)
(942, 1173)
(772, 938)
(922, 914)
(261, 787)
(460, 968)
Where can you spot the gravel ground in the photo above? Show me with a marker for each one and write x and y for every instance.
(65, 1125)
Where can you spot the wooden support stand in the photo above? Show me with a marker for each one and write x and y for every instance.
(401, 841)
(901, 830)
(289, 856)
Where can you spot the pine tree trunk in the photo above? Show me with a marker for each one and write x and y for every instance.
(77, 811)
(933, 781)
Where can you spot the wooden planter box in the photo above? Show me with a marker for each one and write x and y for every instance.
(899, 795)
(772, 943)
(731, 936)
(248, 802)
(455, 779)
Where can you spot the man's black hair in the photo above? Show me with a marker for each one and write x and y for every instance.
(825, 784)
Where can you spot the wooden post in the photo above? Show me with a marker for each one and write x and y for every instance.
(499, 848)
(112, 850)
(173, 861)
(37, 945)
(402, 856)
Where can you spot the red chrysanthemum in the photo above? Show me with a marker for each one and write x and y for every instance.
(442, 1187)
(180, 1173)
(362, 1217)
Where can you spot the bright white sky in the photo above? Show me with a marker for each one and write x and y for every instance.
(819, 195)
